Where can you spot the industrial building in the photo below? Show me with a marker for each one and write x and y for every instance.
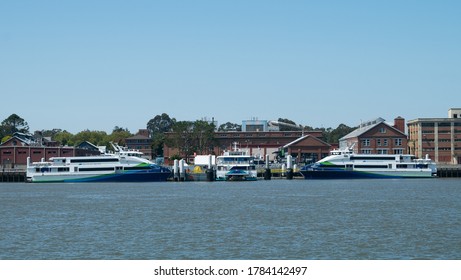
(440, 138)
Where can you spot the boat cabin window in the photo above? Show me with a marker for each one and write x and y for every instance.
(134, 155)
(94, 160)
(234, 160)
(82, 169)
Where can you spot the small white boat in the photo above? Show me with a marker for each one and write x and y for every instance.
(236, 165)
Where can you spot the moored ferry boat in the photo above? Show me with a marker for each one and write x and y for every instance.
(125, 166)
(236, 165)
(344, 164)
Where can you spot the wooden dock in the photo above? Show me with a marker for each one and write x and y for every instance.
(453, 171)
(12, 176)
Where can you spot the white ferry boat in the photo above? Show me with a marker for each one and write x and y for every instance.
(124, 166)
(236, 165)
(344, 164)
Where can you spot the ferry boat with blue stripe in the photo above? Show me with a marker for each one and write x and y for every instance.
(344, 164)
(124, 166)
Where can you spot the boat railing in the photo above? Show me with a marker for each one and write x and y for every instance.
(235, 162)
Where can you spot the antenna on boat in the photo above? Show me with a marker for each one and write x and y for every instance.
(352, 146)
(115, 146)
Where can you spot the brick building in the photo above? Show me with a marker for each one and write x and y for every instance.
(378, 137)
(15, 151)
(141, 142)
(307, 149)
(440, 138)
(304, 146)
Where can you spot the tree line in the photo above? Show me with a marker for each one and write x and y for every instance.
(187, 136)
(15, 123)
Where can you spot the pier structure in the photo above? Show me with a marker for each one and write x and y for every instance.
(17, 176)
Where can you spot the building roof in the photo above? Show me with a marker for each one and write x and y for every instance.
(364, 127)
(88, 146)
(367, 126)
(421, 120)
(300, 139)
(25, 139)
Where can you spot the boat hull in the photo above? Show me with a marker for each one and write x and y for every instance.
(355, 174)
(237, 175)
(236, 178)
(110, 177)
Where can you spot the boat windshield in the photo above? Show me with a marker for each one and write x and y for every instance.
(234, 160)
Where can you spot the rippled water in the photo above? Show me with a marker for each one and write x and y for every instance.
(278, 219)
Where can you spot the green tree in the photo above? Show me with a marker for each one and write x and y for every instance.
(65, 138)
(120, 129)
(5, 138)
(119, 135)
(157, 128)
(189, 137)
(12, 124)
(49, 133)
(182, 138)
(98, 138)
(333, 135)
(160, 124)
(230, 127)
(203, 135)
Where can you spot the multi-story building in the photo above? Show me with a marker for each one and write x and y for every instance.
(255, 125)
(377, 137)
(440, 138)
(141, 142)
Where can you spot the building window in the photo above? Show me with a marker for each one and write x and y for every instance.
(398, 151)
(378, 142)
(366, 142)
(382, 130)
(385, 143)
(366, 151)
(398, 142)
(382, 152)
(445, 124)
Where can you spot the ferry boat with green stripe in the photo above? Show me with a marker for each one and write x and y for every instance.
(344, 164)
(125, 166)
(236, 165)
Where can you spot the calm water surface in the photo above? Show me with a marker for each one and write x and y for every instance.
(278, 219)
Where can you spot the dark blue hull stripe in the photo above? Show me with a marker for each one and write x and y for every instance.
(337, 174)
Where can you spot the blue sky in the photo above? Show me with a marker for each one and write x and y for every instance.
(94, 65)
